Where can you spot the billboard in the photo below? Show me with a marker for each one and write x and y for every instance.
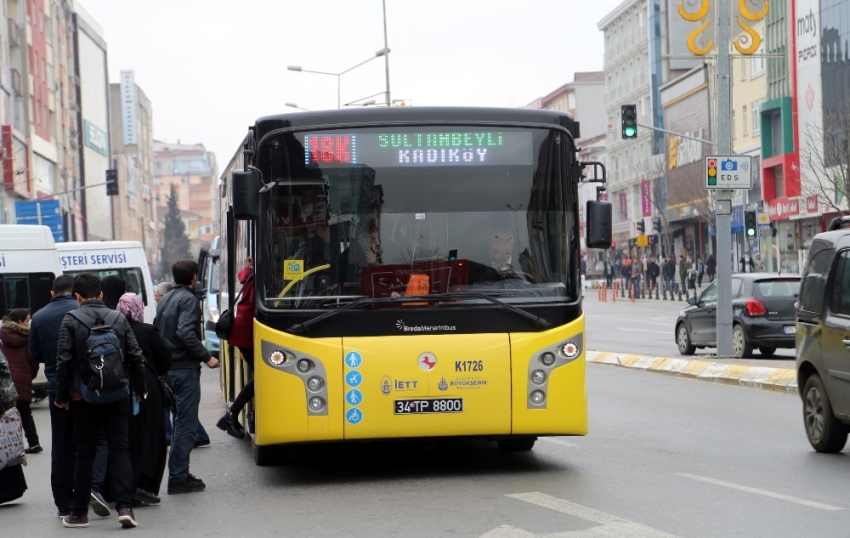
(129, 119)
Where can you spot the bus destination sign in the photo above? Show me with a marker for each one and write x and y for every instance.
(408, 147)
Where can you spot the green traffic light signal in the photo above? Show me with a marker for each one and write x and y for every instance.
(751, 232)
(629, 132)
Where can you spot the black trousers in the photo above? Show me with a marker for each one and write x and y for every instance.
(27, 422)
(247, 393)
(89, 420)
(62, 456)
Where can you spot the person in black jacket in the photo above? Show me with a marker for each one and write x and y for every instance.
(44, 337)
(148, 450)
(90, 418)
(178, 317)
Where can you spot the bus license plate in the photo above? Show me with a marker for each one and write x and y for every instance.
(429, 405)
(790, 329)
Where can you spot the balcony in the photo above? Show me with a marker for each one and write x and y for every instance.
(14, 34)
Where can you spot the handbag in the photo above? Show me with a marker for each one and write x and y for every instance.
(11, 438)
(225, 320)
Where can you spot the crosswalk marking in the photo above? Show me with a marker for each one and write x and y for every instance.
(757, 491)
(609, 526)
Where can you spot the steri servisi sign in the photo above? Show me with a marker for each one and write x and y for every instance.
(728, 172)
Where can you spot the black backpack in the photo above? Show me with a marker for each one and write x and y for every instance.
(103, 377)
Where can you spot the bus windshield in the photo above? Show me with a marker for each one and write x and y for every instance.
(412, 211)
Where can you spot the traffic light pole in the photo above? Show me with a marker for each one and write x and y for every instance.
(723, 224)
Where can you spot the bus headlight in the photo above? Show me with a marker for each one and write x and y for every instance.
(316, 403)
(538, 397)
(315, 383)
(213, 313)
(304, 366)
(538, 377)
(569, 350)
(277, 358)
(548, 359)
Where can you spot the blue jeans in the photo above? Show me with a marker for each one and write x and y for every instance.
(186, 384)
(200, 435)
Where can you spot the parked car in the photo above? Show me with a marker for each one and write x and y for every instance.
(763, 315)
(823, 339)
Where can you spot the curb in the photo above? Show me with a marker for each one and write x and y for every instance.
(756, 377)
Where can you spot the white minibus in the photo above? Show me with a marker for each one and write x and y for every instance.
(126, 259)
(28, 266)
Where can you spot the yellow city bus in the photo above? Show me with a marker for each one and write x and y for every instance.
(416, 275)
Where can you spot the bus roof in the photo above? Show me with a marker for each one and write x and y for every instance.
(318, 118)
(25, 237)
(95, 245)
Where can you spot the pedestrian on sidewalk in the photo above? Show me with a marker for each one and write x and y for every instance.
(13, 484)
(700, 271)
(670, 274)
(148, 450)
(97, 339)
(242, 337)
(44, 338)
(636, 274)
(178, 318)
(607, 273)
(14, 344)
(684, 266)
(710, 267)
(202, 438)
(627, 272)
(653, 270)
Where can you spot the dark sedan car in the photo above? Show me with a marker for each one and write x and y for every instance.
(763, 314)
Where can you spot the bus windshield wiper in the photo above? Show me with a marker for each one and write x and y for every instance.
(539, 322)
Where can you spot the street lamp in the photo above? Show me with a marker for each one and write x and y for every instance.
(293, 105)
(383, 52)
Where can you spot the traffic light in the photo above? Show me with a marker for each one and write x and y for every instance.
(112, 182)
(641, 227)
(656, 225)
(750, 225)
(629, 120)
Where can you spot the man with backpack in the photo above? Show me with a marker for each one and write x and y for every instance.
(98, 367)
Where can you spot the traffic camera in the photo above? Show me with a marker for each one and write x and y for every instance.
(629, 120)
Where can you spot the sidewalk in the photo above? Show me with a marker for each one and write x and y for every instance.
(758, 377)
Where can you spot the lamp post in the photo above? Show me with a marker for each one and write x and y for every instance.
(383, 52)
(386, 58)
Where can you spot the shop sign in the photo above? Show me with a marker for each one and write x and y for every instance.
(811, 207)
(783, 208)
(646, 197)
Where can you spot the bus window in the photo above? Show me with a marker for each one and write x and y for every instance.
(30, 291)
(132, 276)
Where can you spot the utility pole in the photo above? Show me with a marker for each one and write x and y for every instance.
(386, 56)
(724, 147)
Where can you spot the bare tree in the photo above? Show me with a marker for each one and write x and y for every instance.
(825, 156)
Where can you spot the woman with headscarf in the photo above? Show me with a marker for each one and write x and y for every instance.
(113, 287)
(14, 343)
(147, 428)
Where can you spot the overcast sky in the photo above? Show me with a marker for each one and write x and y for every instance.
(211, 67)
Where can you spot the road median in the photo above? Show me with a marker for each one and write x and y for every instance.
(757, 377)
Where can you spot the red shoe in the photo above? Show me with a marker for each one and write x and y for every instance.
(126, 518)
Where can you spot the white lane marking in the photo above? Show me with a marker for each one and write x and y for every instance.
(804, 502)
(668, 333)
(557, 441)
(610, 526)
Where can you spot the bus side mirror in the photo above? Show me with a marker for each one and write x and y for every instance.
(246, 194)
(599, 224)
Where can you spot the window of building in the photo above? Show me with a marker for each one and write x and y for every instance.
(757, 63)
(757, 116)
(733, 125)
(36, 63)
(184, 180)
(744, 120)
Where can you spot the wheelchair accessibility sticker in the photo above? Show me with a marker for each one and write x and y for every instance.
(354, 416)
(293, 269)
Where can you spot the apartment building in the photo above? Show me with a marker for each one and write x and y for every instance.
(131, 121)
(193, 172)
